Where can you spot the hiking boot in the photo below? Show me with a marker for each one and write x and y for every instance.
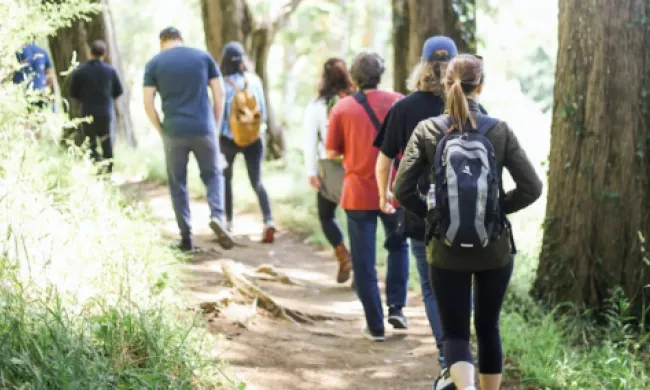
(375, 337)
(223, 237)
(444, 381)
(345, 263)
(185, 245)
(268, 235)
(397, 318)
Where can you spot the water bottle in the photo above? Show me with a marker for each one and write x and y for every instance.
(431, 197)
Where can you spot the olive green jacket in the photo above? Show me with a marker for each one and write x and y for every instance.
(419, 157)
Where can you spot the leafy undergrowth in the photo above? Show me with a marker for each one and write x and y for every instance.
(88, 298)
(87, 293)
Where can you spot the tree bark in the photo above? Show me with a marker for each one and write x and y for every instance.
(428, 18)
(233, 20)
(400, 45)
(76, 39)
(598, 209)
(416, 20)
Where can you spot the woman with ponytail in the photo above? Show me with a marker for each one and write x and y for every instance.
(453, 268)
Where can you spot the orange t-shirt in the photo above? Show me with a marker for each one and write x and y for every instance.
(351, 133)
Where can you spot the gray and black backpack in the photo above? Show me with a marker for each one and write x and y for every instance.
(467, 212)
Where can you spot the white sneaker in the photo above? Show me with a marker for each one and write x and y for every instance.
(372, 337)
(444, 381)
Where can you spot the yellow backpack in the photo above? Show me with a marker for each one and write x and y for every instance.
(245, 116)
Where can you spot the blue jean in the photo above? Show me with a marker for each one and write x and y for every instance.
(206, 151)
(419, 251)
(362, 229)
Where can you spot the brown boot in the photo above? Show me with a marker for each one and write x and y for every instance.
(345, 263)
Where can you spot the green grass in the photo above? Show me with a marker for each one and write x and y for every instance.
(89, 293)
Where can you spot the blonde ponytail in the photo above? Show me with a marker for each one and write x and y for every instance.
(457, 106)
(464, 74)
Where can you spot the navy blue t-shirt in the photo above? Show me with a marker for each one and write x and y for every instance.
(95, 84)
(181, 76)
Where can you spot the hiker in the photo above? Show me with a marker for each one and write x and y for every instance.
(335, 84)
(36, 71)
(465, 152)
(243, 130)
(96, 85)
(353, 125)
(181, 76)
(425, 101)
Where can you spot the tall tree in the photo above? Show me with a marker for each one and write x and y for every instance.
(400, 45)
(598, 209)
(233, 20)
(416, 20)
(73, 42)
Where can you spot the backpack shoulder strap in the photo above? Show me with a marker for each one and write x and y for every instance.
(361, 98)
(485, 123)
(232, 84)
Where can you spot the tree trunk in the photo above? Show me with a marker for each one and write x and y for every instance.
(598, 209)
(76, 39)
(232, 20)
(400, 45)
(416, 20)
(428, 18)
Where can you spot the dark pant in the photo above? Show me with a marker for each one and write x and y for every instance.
(327, 217)
(99, 131)
(253, 154)
(177, 154)
(453, 293)
(362, 229)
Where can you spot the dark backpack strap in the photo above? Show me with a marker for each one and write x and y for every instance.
(485, 123)
(360, 97)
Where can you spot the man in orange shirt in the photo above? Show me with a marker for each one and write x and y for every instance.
(353, 125)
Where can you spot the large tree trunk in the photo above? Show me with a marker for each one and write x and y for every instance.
(598, 210)
(233, 20)
(400, 45)
(416, 20)
(76, 39)
(428, 18)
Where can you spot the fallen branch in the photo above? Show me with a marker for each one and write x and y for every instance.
(250, 290)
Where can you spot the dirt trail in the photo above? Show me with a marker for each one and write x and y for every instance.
(276, 354)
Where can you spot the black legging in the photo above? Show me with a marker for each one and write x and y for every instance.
(327, 217)
(452, 290)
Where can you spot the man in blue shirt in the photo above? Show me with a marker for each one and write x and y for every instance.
(96, 85)
(181, 76)
(35, 70)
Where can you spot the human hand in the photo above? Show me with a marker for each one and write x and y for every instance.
(386, 204)
(314, 182)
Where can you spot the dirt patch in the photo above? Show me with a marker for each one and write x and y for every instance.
(272, 353)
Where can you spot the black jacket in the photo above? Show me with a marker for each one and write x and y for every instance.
(419, 158)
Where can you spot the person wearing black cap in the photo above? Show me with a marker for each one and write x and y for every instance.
(425, 101)
(96, 85)
(181, 76)
(239, 77)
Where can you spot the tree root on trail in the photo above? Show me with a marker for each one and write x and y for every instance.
(268, 272)
(236, 276)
